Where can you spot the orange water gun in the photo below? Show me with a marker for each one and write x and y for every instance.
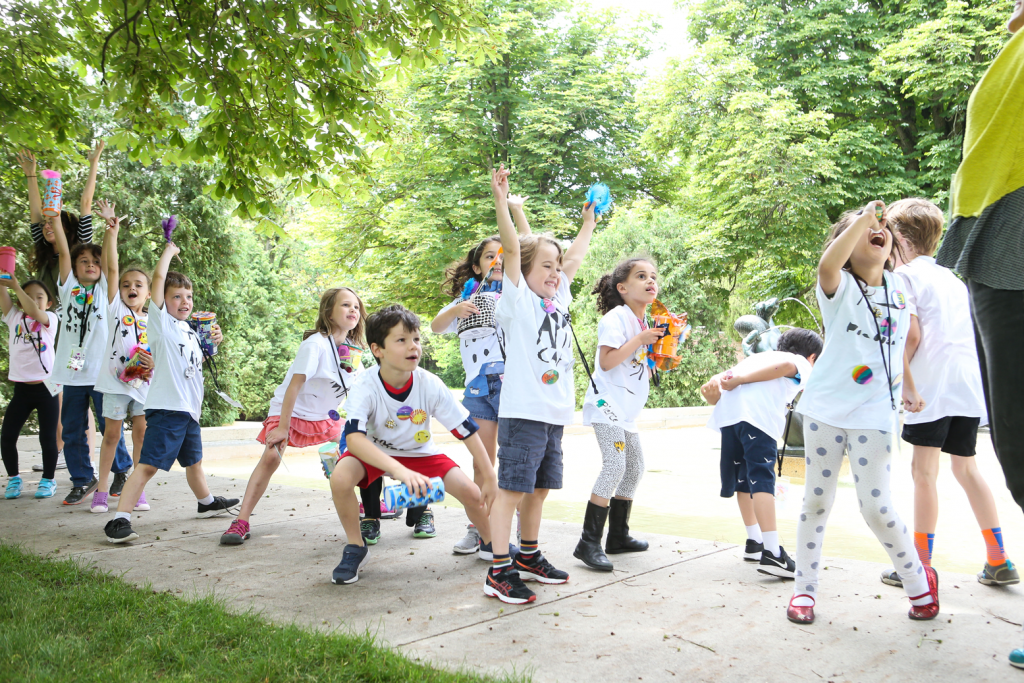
(661, 355)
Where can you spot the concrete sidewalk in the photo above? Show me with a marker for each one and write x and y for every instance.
(687, 610)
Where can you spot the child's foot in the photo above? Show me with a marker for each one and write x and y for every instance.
(370, 530)
(487, 555)
(237, 533)
(143, 504)
(470, 543)
(13, 488)
(352, 560)
(1017, 658)
(219, 506)
(46, 488)
(780, 565)
(425, 527)
(362, 512)
(535, 567)
(508, 587)
(61, 465)
(78, 493)
(115, 486)
(119, 530)
(99, 502)
(801, 609)
(931, 610)
(1004, 574)
(752, 551)
(891, 578)
(385, 513)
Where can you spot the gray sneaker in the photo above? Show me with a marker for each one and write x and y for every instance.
(470, 543)
(1003, 575)
(61, 465)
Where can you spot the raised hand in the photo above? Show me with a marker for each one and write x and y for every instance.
(499, 181)
(107, 212)
(94, 155)
(588, 213)
(516, 201)
(27, 160)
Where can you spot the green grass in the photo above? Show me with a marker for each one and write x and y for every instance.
(61, 620)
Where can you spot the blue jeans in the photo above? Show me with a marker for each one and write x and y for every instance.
(74, 417)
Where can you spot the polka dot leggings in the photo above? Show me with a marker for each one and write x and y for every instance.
(623, 462)
(870, 453)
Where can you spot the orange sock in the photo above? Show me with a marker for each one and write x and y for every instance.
(994, 546)
(923, 542)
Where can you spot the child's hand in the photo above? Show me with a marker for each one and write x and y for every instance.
(516, 201)
(216, 335)
(172, 248)
(465, 309)
(146, 360)
(94, 156)
(870, 215)
(417, 484)
(488, 493)
(27, 160)
(730, 381)
(712, 390)
(650, 335)
(588, 213)
(912, 401)
(11, 281)
(106, 212)
(499, 182)
(278, 435)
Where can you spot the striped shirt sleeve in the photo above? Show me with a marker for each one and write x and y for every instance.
(37, 232)
(85, 229)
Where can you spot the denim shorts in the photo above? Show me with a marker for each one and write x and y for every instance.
(171, 435)
(529, 455)
(483, 406)
(121, 406)
(748, 460)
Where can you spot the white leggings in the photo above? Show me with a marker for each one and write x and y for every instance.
(870, 452)
(623, 462)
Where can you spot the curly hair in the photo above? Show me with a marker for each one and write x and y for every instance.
(323, 317)
(45, 253)
(606, 287)
(458, 273)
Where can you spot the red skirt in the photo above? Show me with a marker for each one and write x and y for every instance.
(302, 433)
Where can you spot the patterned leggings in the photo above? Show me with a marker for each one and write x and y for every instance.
(623, 462)
(870, 455)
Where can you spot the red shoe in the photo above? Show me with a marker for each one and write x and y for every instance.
(931, 610)
(800, 615)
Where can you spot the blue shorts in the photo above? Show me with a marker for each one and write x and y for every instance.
(748, 460)
(529, 455)
(483, 405)
(171, 435)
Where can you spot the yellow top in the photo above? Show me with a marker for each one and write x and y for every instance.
(993, 163)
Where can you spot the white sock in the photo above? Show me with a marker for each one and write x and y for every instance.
(802, 600)
(123, 515)
(771, 542)
(754, 533)
(207, 500)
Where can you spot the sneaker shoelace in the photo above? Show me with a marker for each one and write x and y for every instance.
(366, 525)
(99, 499)
(426, 519)
(238, 526)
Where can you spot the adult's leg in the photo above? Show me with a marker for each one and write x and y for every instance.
(824, 446)
(74, 419)
(17, 414)
(122, 461)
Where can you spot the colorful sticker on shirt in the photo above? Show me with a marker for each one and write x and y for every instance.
(422, 436)
(549, 377)
(887, 327)
(548, 305)
(128, 320)
(144, 338)
(405, 412)
(897, 382)
(81, 296)
(862, 374)
(419, 416)
(390, 424)
(898, 300)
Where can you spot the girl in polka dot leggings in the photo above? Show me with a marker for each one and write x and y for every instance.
(849, 406)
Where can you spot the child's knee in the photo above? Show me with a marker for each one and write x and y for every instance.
(347, 473)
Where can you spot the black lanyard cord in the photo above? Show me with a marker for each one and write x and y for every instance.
(887, 364)
(337, 364)
(37, 343)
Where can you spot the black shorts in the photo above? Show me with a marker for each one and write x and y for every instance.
(954, 435)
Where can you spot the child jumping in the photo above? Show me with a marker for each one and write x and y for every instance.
(750, 406)
(303, 410)
(850, 404)
(387, 429)
(538, 395)
(174, 401)
(621, 383)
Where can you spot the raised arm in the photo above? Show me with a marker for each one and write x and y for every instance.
(60, 242)
(511, 262)
(28, 304)
(35, 202)
(760, 367)
(515, 207)
(110, 263)
(830, 267)
(156, 292)
(90, 183)
(577, 251)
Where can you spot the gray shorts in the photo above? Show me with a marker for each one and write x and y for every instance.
(529, 455)
(121, 406)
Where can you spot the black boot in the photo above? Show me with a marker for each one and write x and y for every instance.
(589, 547)
(619, 540)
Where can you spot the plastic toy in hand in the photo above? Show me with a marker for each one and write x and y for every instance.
(135, 373)
(661, 355)
(53, 193)
(329, 454)
(398, 496)
(601, 197)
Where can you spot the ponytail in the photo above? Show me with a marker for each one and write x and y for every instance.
(606, 288)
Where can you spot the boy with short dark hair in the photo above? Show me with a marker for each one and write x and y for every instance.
(389, 409)
(174, 402)
(750, 406)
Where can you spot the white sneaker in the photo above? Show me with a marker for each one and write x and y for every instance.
(470, 542)
(61, 465)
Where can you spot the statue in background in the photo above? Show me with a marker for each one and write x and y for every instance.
(758, 331)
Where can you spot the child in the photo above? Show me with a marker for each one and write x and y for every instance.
(750, 406)
(126, 326)
(483, 358)
(173, 403)
(81, 355)
(388, 430)
(30, 343)
(944, 360)
(850, 403)
(538, 392)
(300, 415)
(621, 382)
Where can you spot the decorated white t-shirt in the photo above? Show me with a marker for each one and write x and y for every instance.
(482, 354)
(178, 364)
(398, 421)
(83, 320)
(126, 331)
(30, 345)
(538, 382)
(328, 379)
(849, 388)
(945, 366)
(761, 404)
(621, 391)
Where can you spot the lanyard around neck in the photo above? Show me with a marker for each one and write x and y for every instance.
(887, 364)
(37, 343)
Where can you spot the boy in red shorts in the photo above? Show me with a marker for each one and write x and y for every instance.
(388, 430)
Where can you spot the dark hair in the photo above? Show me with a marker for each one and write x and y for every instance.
(606, 288)
(379, 325)
(44, 251)
(801, 342)
(845, 221)
(82, 248)
(176, 279)
(39, 283)
(323, 316)
(456, 275)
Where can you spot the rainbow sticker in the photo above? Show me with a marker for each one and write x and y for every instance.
(81, 296)
(862, 374)
(549, 377)
(404, 413)
(419, 416)
(887, 327)
(548, 305)
(128, 320)
(898, 300)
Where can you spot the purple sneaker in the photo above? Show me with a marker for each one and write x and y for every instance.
(143, 504)
(99, 502)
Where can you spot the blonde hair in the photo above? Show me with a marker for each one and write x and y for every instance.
(323, 316)
(919, 221)
(528, 246)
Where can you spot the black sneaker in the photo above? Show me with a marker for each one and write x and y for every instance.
(119, 530)
(79, 492)
(352, 560)
(535, 567)
(752, 553)
(219, 506)
(115, 486)
(780, 565)
(370, 529)
(425, 527)
(507, 587)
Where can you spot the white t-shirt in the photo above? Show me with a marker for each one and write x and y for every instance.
(178, 359)
(761, 404)
(30, 345)
(126, 330)
(401, 426)
(476, 353)
(327, 380)
(849, 388)
(621, 391)
(945, 366)
(83, 319)
(538, 382)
